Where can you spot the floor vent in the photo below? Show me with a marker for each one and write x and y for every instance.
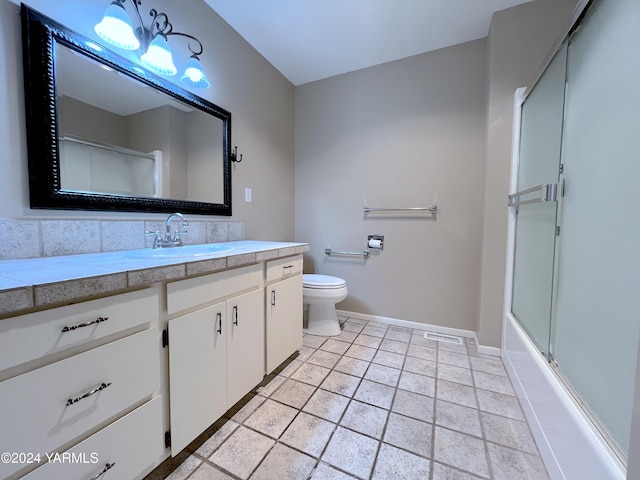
(441, 337)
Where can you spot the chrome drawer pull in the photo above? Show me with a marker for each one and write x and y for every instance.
(85, 324)
(71, 401)
(106, 468)
(287, 266)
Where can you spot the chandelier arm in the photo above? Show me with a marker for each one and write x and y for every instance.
(135, 4)
(199, 49)
(160, 25)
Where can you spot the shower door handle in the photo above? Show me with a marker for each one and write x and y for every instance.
(548, 193)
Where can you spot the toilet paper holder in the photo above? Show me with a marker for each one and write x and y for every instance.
(375, 241)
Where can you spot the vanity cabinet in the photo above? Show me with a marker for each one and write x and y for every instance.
(216, 348)
(111, 387)
(283, 309)
(73, 377)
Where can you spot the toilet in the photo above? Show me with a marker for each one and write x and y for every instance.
(321, 293)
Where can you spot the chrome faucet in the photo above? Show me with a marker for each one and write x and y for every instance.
(166, 239)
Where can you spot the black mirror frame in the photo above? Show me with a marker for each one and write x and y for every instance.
(39, 36)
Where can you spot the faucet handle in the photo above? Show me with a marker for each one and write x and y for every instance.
(158, 237)
(177, 236)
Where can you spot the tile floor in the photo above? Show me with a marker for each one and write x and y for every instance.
(376, 402)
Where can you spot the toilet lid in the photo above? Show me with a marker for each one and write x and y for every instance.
(312, 280)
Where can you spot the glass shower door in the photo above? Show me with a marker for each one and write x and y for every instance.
(535, 201)
(597, 323)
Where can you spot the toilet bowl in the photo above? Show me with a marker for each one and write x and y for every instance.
(321, 293)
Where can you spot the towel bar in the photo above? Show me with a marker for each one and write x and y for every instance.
(330, 252)
(432, 209)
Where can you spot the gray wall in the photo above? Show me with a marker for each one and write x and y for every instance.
(404, 134)
(408, 133)
(243, 82)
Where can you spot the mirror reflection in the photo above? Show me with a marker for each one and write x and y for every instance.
(120, 136)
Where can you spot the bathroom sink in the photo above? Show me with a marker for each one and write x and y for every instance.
(186, 251)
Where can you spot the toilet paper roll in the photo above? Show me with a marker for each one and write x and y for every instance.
(374, 243)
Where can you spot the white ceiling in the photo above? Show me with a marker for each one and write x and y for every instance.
(308, 40)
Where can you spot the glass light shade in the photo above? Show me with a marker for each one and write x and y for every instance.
(116, 28)
(193, 75)
(158, 57)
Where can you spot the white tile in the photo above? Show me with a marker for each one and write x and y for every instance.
(493, 383)
(308, 434)
(69, 237)
(327, 472)
(396, 464)
(293, 393)
(382, 374)
(458, 417)
(311, 374)
(341, 383)
(271, 418)
(508, 432)
(367, 341)
(352, 366)
(409, 434)
(462, 451)
(242, 453)
(413, 405)
(215, 440)
(19, 239)
(284, 462)
(351, 452)
(375, 394)
(417, 383)
(324, 359)
(365, 419)
(327, 405)
(122, 235)
(455, 374)
(508, 464)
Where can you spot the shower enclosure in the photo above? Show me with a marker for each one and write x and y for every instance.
(574, 272)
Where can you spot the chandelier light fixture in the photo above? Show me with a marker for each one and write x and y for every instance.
(116, 29)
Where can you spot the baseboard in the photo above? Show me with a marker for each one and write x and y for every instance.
(422, 326)
(486, 350)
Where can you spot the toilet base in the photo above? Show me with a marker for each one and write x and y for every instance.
(323, 320)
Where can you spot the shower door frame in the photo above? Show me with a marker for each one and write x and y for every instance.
(570, 442)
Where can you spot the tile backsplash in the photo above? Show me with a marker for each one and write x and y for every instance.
(49, 238)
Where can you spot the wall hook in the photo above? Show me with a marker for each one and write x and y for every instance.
(234, 155)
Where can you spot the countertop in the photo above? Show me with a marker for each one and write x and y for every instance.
(37, 283)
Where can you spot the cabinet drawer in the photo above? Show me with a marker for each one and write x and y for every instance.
(283, 267)
(48, 407)
(197, 291)
(29, 337)
(131, 445)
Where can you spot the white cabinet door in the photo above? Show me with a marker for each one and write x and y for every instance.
(284, 320)
(245, 344)
(197, 373)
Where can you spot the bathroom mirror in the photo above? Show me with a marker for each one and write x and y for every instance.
(105, 134)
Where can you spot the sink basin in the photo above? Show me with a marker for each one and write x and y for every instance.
(186, 251)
